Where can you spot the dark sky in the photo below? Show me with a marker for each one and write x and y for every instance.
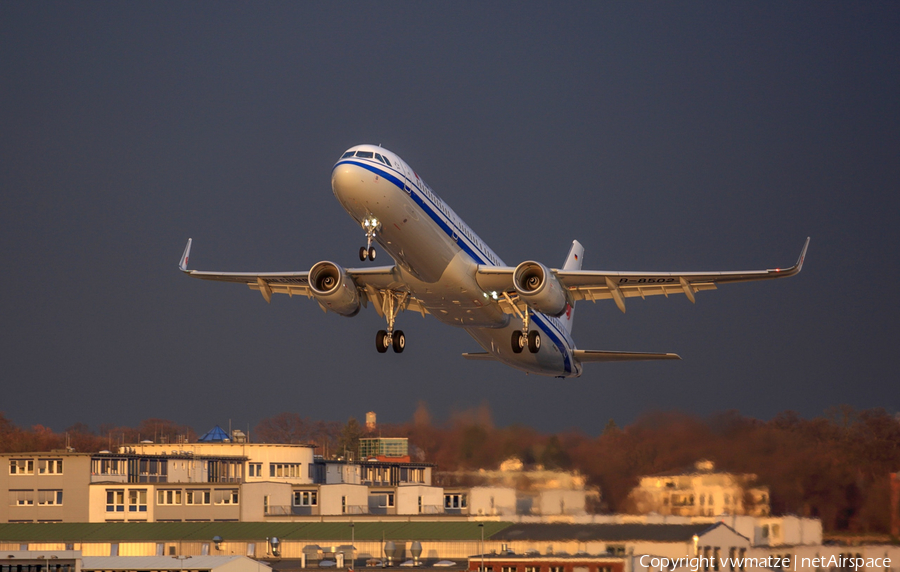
(663, 136)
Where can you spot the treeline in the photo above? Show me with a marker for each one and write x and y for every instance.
(82, 438)
(835, 467)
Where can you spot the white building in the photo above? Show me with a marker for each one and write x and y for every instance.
(700, 491)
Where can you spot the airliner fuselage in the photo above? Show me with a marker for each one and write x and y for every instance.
(438, 255)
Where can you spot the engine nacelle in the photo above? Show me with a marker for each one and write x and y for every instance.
(539, 288)
(334, 289)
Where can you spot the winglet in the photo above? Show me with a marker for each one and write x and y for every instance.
(799, 264)
(795, 269)
(184, 257)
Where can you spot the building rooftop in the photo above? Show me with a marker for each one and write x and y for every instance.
(199, 531)
(603, 532)
(161, 562)
(332, 531)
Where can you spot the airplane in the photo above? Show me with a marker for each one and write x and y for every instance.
(520, 315)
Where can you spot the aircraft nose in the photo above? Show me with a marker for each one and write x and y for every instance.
(347, 182)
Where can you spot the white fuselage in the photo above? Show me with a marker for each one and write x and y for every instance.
(437, 255)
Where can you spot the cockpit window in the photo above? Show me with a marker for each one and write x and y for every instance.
(387, 161)
(347, 154)
(379, 157)
(365, 154)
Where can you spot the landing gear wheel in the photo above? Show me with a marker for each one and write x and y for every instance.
(362, 252)
(382, 341)
(399, 341)
(371, 253)
(534, 341)
(518, 342)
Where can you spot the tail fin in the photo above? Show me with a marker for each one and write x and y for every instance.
(573, 262)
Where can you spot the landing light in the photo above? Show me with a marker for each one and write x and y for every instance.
(494, 295)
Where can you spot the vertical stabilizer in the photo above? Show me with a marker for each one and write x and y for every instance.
(573, 262)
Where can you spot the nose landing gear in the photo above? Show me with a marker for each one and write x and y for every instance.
(371, 225)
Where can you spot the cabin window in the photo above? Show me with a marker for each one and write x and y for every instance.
(365, 154)
(347, 154)
(379, 157)
(387, 161)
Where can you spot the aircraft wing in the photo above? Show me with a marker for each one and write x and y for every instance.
(372, 282)
(601, 285)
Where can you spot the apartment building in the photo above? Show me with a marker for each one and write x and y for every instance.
(700, 490)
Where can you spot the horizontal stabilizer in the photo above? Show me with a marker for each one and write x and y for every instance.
(479, 356)
(601, 355)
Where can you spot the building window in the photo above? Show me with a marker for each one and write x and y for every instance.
(49, 498)
(152, 470)
(115, 500)
(306, 498)
(532, 569)
(21, 466)
(555, 568)
(384, 499)
(285, 470)
(251, 549)
(197, 497)
(255, 470)
(456, 500)
(507, 569)
(50, 466)
(226, 496)
(137, 500)
(21, 498)
(108, 467)
(168, 497)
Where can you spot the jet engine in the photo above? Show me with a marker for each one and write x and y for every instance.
(539, 288)
(334, 289)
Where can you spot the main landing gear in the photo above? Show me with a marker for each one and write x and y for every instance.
(523, 338)
(371, 225)
(520, 341)
(385, 340)
(392, 303)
